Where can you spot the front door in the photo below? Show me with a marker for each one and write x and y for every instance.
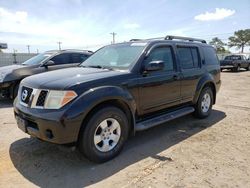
(159, 89)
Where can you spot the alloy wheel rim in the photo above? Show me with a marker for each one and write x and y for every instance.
(205, 103)
(107, 135)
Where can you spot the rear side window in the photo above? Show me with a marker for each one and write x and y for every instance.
(163, 53)
(189, 57)
(210, 56)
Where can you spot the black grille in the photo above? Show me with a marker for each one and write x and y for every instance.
(26, 94)
(42, 97)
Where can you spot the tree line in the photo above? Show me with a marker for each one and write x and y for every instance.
(240, 40)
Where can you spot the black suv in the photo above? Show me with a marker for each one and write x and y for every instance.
(10, 76)
(120, 89)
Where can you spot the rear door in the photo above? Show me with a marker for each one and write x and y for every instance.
(190, 64)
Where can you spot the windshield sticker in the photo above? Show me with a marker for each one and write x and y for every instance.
(139, 44)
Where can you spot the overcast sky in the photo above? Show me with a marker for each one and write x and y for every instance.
(88, 24)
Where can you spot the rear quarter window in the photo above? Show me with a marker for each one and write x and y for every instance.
(210, 56)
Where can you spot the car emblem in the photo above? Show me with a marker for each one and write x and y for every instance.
(24, 95)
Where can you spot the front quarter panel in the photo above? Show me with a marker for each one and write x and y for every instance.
(78, 109)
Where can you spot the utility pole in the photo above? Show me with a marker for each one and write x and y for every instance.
(37, 51)
(113, 35)
(59, 45)
(28, 46)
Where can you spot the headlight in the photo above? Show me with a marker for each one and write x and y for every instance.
(2, 75)
(57, 99)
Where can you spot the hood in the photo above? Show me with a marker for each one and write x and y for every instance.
(14, 72)
(10, 68)
(66, 78)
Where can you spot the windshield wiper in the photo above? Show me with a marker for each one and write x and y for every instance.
(98, 67)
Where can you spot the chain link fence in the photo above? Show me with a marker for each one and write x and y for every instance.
(14, 58)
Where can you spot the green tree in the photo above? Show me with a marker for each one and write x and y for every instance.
(240, 39)
(218, 44)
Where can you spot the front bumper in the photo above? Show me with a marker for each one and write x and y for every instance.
(48, 125)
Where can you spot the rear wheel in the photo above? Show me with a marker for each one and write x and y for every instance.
(204, 104)
(236, 69)
(248, 67)
(104, 135)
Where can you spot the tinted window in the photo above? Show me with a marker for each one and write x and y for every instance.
(83, 57)
(210, 56)
(61, 59)
(189, 57)
(195, 56)
(233, 57)
(78, 58)
(162, 54)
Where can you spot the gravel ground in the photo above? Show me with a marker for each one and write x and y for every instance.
(187, 152)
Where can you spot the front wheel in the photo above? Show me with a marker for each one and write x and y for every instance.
(236, 69)
(104, 135)
(204, 104)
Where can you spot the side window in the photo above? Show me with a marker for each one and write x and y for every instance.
(164, 54)
(210, 56)
(189, 57)
(195, 55)
(61, 59)
(78, 58)
(83, 57)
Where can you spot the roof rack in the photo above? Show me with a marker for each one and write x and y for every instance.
(157, 38)
(171, 37)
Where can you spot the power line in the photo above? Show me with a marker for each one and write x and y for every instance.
(214, 34)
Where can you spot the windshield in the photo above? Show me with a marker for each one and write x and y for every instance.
(119, 56)
(235, 57)
(36, 59)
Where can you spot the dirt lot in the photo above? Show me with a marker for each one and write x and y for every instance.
(187, 152)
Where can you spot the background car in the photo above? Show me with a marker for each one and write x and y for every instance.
(235, 63)
(10, 76)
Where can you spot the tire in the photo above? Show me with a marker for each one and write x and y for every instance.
(204, 104)
(95, 134)
(236, 69)
(248, 68)
(15, 91)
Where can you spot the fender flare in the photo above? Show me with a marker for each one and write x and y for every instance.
(206, 79)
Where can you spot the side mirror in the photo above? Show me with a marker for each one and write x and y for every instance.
(49, 63)
(154, 66)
